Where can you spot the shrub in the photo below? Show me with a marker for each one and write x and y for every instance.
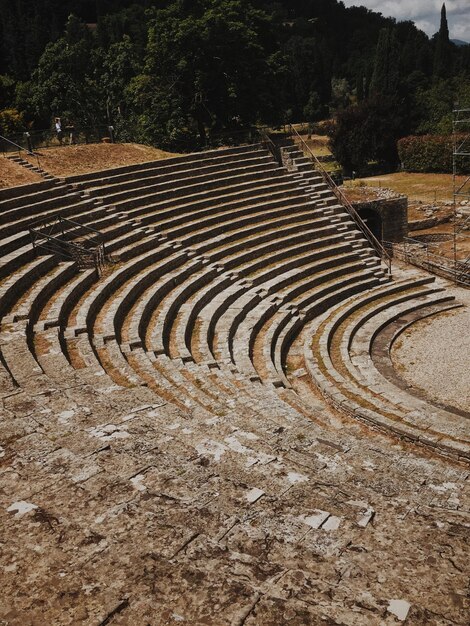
(428, 153)
(11, 121)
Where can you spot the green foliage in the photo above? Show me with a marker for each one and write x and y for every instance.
(64, 83)
(385, 77)
(11, 122)
(427, 153)
(434, 104)
(205, 70)
(443, 49)
(7, 90)
(306, 72)
(367, 132)
(314, 110)
(26, 27)
(119, 67)
(177, 72)
(340, 93)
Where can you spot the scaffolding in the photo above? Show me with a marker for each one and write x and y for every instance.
(448, 254)
(461, 164)
(461, 191)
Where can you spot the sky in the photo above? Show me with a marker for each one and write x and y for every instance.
(425, 13)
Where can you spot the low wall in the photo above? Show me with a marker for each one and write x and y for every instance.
(393, 213)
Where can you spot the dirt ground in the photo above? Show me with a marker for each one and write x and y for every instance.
(446, 248)
(424, 187)
(12, 174)
(70, 160)
(363, 193)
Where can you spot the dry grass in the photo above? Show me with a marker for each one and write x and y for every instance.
(424, 187)
(318, 144)
(12, 174)
(71, 160)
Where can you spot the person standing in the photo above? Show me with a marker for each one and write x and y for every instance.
(58, 129)
(71, 130)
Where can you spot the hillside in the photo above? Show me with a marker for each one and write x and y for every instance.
(179, 75)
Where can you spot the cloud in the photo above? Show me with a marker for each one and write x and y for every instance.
(425, 13)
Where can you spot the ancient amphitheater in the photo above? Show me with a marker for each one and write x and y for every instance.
(201, 421)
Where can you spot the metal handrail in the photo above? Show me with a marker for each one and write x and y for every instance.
(420, 253)
(83, 226)
(375, 243)
(17, 145)
(59, 220)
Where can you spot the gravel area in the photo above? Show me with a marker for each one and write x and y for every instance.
(434, 354)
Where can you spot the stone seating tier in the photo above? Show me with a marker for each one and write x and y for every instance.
(222, 263)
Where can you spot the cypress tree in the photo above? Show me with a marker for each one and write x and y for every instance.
(443, 49)
(444, 28)
(385, 76)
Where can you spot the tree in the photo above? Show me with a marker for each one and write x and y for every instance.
(120, 66)
(443, 49)
(306, 73)
(385, 76)
(206, 69)
(11, 121)
(25, 29)
(360, 88)
(314, 110)
(7, 90)
(368, 132)
(64, 83)
(340, 93)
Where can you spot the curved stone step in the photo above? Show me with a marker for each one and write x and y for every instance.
(363, 394)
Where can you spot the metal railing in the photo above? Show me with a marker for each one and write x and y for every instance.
(48, 138)
(463, 272)
(426, 255)
(18, 148)
(8, 143)
(53, 235)
(341, 197)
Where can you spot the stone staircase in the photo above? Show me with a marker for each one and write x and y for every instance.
(16, 158)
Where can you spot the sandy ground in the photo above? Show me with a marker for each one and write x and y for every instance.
(12, 174)
(434, 354)
(69, 160)
(446, 248)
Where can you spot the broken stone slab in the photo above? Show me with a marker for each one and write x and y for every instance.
(21, 508)
(254, 495)
(316, 519)
(399, 608)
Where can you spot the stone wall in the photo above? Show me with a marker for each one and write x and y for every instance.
(393, 213)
